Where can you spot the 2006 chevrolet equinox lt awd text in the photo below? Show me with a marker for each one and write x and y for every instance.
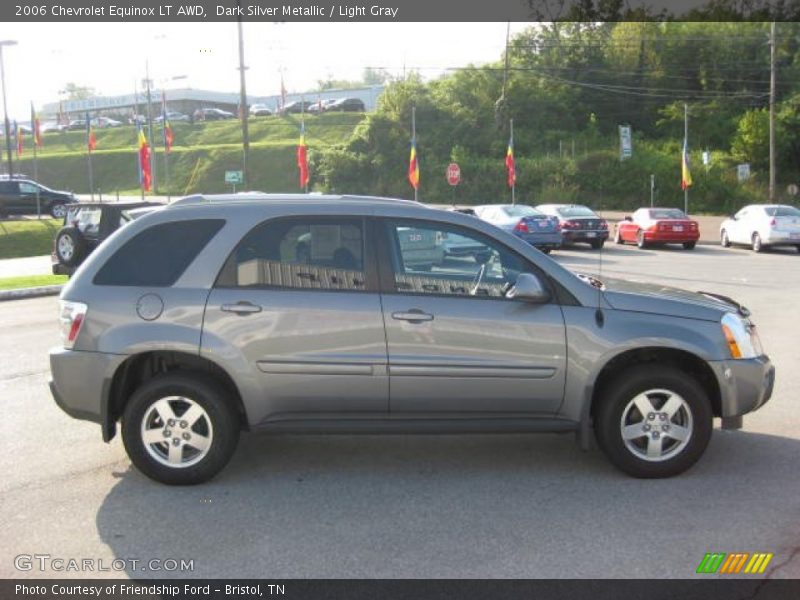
(304, 313)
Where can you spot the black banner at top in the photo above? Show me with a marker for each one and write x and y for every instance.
(395, 10)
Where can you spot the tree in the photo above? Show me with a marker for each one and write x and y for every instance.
(78, 92)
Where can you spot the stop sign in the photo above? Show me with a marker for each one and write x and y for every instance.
(453, 174)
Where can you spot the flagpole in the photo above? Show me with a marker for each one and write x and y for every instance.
(514, 181)
(414, 140)
(303, 128)
(89, 154)
(686, 152)
(35, 164)
(166, 150)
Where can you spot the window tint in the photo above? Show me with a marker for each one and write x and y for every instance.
(782, 211)
(432, 258)
(157, 256)
(575, 211)
(667, 213)
(520, 210)
(27, 188)
(305, 253)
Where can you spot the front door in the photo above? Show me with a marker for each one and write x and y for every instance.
(297, 301)
(456, 344)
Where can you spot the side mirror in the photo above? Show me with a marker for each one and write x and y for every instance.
(732, 217)
(529, 288)
(629, 218)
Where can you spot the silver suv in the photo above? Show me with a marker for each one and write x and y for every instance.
(309, 314)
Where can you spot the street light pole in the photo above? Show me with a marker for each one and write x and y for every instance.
(243, 109)
(7, 129)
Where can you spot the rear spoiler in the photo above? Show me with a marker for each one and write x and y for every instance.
(742, 310)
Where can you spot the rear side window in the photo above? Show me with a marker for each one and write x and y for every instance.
(157, 256)
(301, 253)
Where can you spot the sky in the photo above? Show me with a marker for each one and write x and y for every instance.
(111, 57)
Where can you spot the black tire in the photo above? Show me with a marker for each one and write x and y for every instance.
(756, 243)
(640, 241)
(58, 210)
(597, 244)
(218, 413)
(546, 250)
(689, 245)
(724, 240)
(70, 246)
(614, 405)
(798, 247)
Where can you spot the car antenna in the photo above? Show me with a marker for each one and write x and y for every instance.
(599, 317)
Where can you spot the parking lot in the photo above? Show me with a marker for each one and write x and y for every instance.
(528, 506)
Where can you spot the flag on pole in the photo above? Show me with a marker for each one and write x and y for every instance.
(686, 174)
(145, 174)
(413, 165)
(302, 157)
(36, 128)
(91, 139)
(169, 135)
(512, 170)
(20, 139)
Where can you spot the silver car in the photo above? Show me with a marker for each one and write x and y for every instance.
(761, 226)
(311, 313)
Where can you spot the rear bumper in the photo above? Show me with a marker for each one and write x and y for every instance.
(745, 385)
(671, 237)
(781, 238)
(542, 240)
(81, 382)
(584, 236)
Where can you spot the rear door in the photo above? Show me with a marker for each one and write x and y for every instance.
(456, 344)
(298, 301)
(9, 196)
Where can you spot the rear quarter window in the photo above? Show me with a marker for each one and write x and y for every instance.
(158, 256)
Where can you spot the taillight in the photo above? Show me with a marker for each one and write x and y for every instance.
(557, 223)
(773, 222)
(522, 227)
(604, 224)
(72, 317)
(570, 225)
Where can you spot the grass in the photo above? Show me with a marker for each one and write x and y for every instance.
(27, 237)
(29, 281)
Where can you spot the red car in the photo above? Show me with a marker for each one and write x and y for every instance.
(655, 226)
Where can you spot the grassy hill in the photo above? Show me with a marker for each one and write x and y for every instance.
(201, 154)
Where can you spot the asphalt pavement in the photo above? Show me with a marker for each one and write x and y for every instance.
(529, 506)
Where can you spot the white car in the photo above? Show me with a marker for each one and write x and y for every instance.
(762, 225)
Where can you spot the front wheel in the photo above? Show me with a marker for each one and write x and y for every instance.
(640, 241)
(180, 429)
(724, 240)
(689, 245)
(653, 421)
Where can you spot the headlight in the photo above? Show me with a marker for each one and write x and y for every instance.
(741, 337)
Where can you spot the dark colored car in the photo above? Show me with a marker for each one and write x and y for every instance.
(19, 196)
(212, 114)
(578, 223)
(320, 106)
(346, 105)
(297, 106)
(525, 222)
(87, 225)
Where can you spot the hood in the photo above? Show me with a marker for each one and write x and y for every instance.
(622, 294)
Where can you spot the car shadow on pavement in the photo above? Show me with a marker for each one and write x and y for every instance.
(455, 506)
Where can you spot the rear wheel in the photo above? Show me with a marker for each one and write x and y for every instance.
(640, 241)
(724, 240)
(689, 245)
(546, 250)
(756, 242)
(617, 237)
(58, 210)
(653, 421)
(179, 429)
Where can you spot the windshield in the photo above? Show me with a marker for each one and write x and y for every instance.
(575, 211)
(521, 210)
(667, 213)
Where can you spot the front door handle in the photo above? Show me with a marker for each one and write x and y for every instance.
(241, 308)
(412, 316)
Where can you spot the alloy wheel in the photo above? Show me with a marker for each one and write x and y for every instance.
(656, 425)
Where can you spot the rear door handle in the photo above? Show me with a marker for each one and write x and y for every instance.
(241, 308)
(413, 316)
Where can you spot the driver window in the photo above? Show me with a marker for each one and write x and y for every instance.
(436, 258)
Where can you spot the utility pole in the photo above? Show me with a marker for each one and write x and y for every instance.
(7, 129)
(772, 112)
(243, 105)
